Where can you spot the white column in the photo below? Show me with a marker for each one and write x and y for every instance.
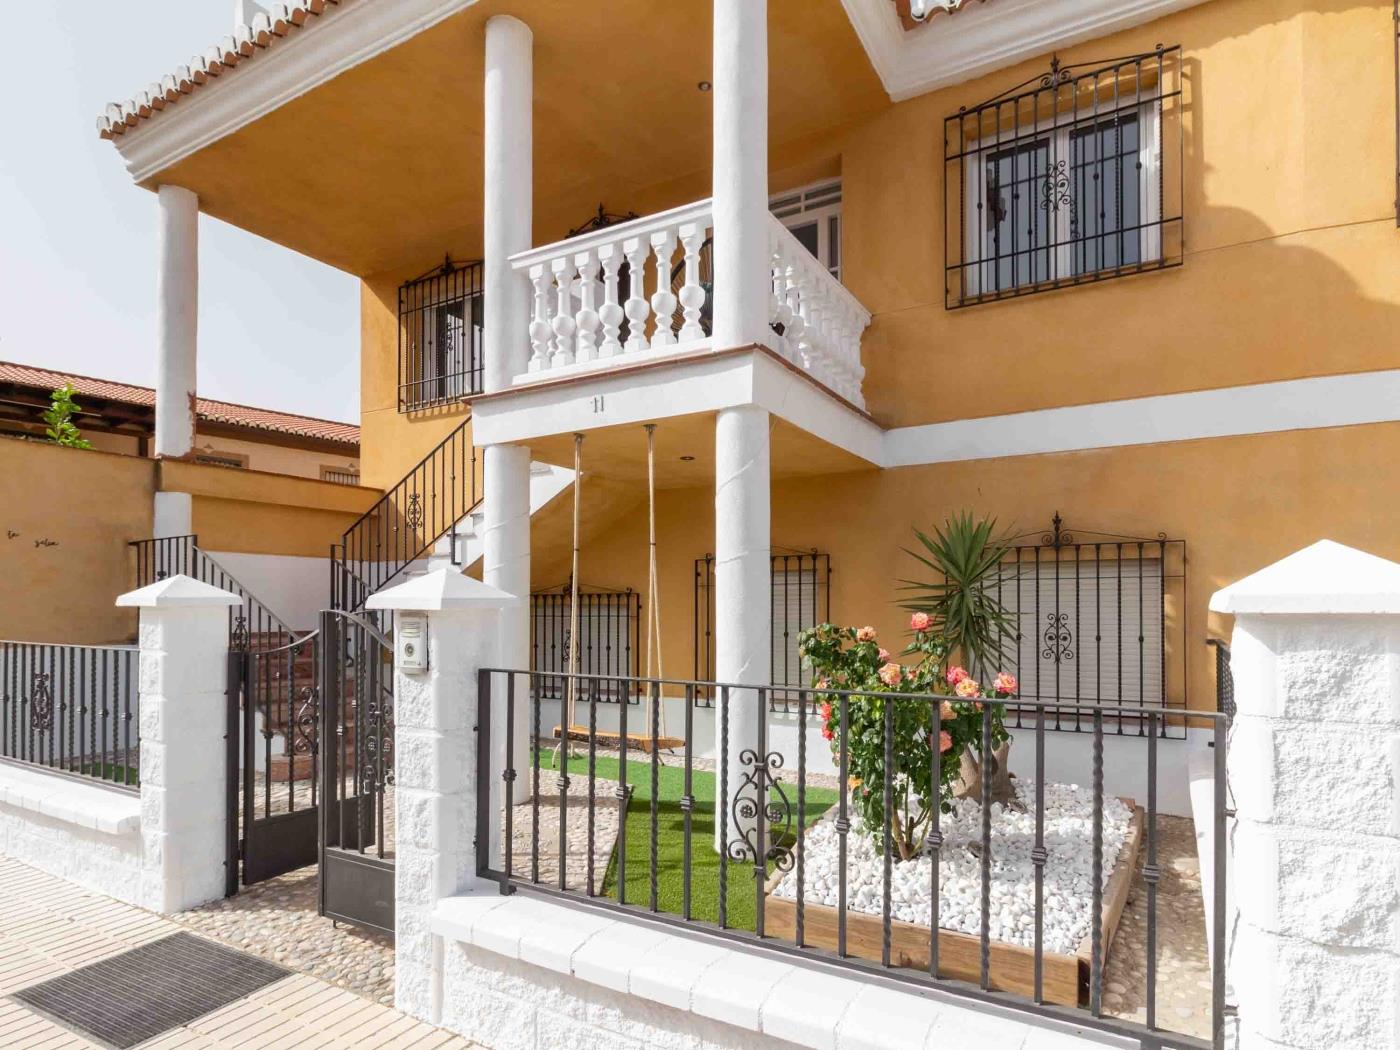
(435, 767)
(177, 313)
(184, 759)
(740, 175)
(507, 224)
(1314, 767)
(743, 586)
(508, 197)
(505, 565)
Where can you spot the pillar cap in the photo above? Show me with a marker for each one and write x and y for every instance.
(1327, 577)
(178, 592)
(440, 591)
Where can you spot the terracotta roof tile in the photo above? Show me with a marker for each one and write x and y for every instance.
(211, 411)
(268, 29)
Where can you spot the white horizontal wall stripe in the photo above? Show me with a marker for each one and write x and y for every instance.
(1264, 408)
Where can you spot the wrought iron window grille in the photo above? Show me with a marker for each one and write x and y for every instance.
(609, 637)
(440, 336)
(1070, 177)
(1099, 620)
(801, 598)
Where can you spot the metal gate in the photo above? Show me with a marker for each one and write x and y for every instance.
(272, 733)
(356, 768)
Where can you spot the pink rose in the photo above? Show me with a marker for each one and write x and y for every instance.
(826, 712)
(1005, 683)
(956, 675)
(890, 674)
(967, 688)
(919, 621)
(945, 741)
(884, 655)
(865, 634)
(946, 712)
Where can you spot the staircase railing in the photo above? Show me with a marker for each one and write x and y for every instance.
(409, 518)
(252, 625)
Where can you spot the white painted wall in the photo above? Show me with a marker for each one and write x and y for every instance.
(294, 588)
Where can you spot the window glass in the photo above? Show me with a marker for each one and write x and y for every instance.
(1016, 233)
(1105, 194)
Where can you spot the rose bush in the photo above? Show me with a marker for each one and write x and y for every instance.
(848, 659)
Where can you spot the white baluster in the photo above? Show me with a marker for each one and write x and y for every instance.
(637, 307)
(587, 317)
(782, 309)
(792, 296)
(563, 323)
(540, 329)
(814, 350)
(610, 313)
(663, 300)
(692, 293)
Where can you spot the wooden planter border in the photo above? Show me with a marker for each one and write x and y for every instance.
(1064, 978)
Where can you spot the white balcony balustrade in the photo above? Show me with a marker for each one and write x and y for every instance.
(640, 291)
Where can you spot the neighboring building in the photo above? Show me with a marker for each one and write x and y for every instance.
(1124, 274)
(120, 417)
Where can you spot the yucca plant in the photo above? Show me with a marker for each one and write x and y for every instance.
(965, 610)
(963, 606)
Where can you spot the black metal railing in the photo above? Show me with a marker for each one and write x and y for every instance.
(798, 871)
(251, 625)
(800, 592)
(609, 635)
(440, 336)
(1069, 177)
(425, 504)
(1224, 679)
(71, 709)
(1098, 619)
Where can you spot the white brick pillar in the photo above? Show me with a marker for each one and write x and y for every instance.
(183, 718)
(435, 763)
(1314, 766)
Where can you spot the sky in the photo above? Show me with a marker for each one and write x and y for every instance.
(78, 238)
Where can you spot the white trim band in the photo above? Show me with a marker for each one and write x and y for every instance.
(1263, 408)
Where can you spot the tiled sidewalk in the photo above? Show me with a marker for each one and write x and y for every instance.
(49, 927)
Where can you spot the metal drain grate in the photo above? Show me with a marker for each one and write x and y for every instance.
(135, 996)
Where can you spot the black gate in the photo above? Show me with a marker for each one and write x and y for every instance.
(356, 768)
(272, 732)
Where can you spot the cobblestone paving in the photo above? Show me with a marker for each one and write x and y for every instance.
(277, 920)
(1183, 968)
(605, 824)
(49, 927)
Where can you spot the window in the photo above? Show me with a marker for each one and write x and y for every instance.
(1067, 182)
(609, 623)
(1097, 621)
(813, 214)
(801, 598)
(221, 459)
(341, 475)
(440, 336)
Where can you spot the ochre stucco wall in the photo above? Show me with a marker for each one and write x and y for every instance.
(250, 512)
(67, 516)
(1238, 503)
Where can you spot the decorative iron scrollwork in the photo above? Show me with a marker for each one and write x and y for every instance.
(1059, 639)
(1058, 536)
(40, 703)
(1054, 189)
(238, 637)
(755, 794)
(379, 744)
(304, 722)
(414, 514)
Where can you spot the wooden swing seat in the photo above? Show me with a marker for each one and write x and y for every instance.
(606, 738)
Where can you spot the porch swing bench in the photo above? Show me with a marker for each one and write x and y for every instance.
(606, 738)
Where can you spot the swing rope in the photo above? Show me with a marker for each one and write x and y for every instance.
(653, 585)
(573, 597)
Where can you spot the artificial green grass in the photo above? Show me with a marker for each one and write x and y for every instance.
(670, 841)
(112, 772)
